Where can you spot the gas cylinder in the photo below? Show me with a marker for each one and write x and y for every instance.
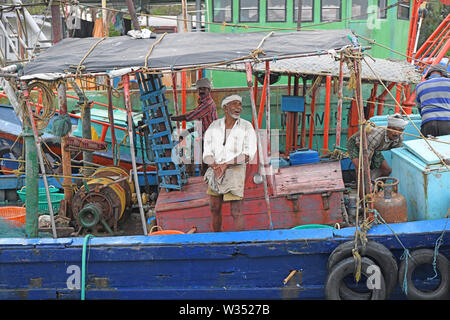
(388, 202)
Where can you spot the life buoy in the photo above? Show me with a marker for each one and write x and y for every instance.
(335, 281)
(420, 257)
(373, 250)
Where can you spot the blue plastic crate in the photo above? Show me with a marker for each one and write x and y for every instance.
(303, 157)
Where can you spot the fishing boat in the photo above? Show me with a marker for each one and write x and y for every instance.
(297, 243)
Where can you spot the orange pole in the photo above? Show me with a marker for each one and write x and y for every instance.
(326, 127)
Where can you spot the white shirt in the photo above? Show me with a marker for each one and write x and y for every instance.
(241, 140)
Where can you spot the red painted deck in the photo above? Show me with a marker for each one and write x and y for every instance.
(305, 194)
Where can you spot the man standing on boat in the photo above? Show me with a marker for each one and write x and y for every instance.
(433, 99)
(206, 110)
(378, 139)
(229, 144)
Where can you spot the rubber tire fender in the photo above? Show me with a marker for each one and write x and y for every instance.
(425, 256)
(377, 252)
(338, 272)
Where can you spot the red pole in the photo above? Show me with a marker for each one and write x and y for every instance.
(255, 91)
(371, 102)
(268, 107)
(303, 130)
(339, 104)
(56, 23)
(289, 85)
(263, 101)
(326, 127)
(183, 97)
(175, 95)
(398, 97)
(381, 98)
(311, 123)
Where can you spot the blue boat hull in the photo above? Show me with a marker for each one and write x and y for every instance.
(228, 265)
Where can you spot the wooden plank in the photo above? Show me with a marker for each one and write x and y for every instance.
(309, 178)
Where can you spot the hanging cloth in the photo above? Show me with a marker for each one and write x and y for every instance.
(98, 28)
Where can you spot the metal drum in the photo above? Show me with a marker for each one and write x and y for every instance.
(101, 203)
(388, 202)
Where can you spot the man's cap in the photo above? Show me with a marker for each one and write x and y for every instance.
(230, 98)
(437, 68)
(203, 83)
(396, 121)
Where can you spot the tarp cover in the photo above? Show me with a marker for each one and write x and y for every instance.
(179, 50)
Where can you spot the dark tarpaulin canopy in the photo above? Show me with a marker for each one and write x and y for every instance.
(177, 50)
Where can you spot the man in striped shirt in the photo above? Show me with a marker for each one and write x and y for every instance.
(206, 111)
(433, 99)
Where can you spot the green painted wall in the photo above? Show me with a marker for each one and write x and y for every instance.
(390, 32)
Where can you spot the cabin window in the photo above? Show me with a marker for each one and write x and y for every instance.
(276, 10)
(248, 10)
(382, 4)
(330, 10)
(359, 9)
(403, 10)
(222, 10)
(307, 10)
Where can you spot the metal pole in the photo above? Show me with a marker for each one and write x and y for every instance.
(339, 102)
(41, 158)
(126, 88)
(132, 12)
(326, 124)
(66, 159)
(31, 182)
(56, 23)
(248, 68)
(299, 15)
(268, 109)
(198, 10)
(184, 10)
(111, 121)
(105, 23)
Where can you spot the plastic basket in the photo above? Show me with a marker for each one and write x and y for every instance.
(16, 215)
(55, 199)
(22, 193)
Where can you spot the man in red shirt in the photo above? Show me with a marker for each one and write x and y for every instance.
(206, 110)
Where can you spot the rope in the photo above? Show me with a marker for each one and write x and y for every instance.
(79, 68)
(436, 247)
(48, 105)
(405, 257)
(151, 49)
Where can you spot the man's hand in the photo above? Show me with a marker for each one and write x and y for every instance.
(178, 118)
(219, 170)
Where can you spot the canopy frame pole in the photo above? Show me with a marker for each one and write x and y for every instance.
(37, 141)
(126, 88)
(248, 68)
(339, 102)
